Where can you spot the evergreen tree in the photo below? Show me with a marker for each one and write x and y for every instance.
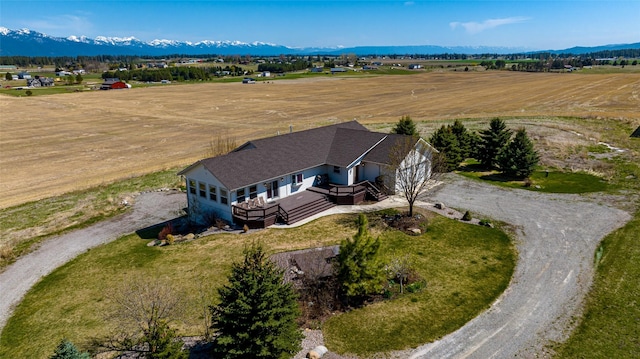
(360, 270)
(67, 350)
(445, 141)
(518, 158)
(465, 139)
(8, 76)
(256, 317)
(405, 126)
(492, 141)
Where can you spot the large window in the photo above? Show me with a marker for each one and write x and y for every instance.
(224, 197)
(336, 169)
(202, 189)
(240, 195)
(212, 193)
(192, 186)
(296, 179)
(253, 191)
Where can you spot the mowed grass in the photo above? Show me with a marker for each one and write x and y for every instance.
(466, 267)
(544, 181)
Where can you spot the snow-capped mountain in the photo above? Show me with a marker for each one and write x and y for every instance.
(27, 42)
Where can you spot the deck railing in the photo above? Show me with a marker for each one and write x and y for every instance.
(255, 213)
(345, 190)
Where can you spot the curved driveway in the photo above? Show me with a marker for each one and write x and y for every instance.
(149, 208)
(557, 236)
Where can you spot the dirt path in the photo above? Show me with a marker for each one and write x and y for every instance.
(557, 236)
(148, 209)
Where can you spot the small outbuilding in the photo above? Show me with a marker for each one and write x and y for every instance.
(113, 84)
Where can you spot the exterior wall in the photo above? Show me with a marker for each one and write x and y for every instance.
(200, 207)
(340, 177)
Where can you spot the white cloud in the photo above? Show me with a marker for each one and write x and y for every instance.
(473, 27)
(61, 25)
(409, 3)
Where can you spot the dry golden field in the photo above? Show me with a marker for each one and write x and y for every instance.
(54, 144)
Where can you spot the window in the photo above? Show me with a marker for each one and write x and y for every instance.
(240, 196)
(192, 186)
(212, 193)
(202, 189)
(336, 169)
(253, 191)
(296, 179)
(224, 197)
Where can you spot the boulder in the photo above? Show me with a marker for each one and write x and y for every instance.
(440, 205)
(415, 231)
(317, 352)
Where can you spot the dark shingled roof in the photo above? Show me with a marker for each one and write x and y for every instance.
(269, 158)
(380, 154)
(636, 133)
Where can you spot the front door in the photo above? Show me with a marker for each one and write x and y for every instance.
(272, 190)
(356, 174)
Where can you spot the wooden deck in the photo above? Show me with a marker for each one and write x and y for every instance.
(304, 204)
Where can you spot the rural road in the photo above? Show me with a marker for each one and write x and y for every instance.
(556, 237)
(149, 208)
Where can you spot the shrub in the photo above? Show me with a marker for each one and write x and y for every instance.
(485, 222)
(29, 93)
(170, 238)
(166, 230)
(245, 228)
(466, 216)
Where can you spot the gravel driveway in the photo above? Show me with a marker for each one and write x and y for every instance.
(149, 208)
(557, 236)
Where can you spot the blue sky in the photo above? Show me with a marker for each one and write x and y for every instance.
(531, 24)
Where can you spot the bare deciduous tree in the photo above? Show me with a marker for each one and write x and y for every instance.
(143, 310)
(412, 167)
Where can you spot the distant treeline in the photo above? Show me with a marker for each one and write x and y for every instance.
(181, 73)
(24, 61)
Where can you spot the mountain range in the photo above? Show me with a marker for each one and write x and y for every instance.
(31, 43)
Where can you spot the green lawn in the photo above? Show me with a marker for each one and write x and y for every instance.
(543, 181)
(466, 267)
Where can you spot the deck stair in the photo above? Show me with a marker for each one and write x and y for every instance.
(374, 193)
(312, 205)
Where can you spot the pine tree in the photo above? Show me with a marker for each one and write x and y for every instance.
(67, 350)
(519, 158)
(360, 270)
(405, 126)
(256, 317)
(465, 139)
(445, 141)
(492, 141)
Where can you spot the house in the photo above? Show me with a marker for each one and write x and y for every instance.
(113, 84)
(317, 69)
(338, 69)
(40, 82)
(289, 177)
(24, 75)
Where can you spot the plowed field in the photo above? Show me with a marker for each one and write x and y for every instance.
(54, 144)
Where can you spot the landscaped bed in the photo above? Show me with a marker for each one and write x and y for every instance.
(464, 267)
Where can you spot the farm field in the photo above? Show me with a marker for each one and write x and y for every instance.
(55, 144)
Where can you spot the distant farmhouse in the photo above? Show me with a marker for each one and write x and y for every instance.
(113, 84)
(290, 177)
(40, 82)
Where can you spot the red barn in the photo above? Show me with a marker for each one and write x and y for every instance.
(113, 84)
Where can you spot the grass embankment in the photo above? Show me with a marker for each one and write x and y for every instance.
(611, 324)
(23, 226)
(465, 267)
